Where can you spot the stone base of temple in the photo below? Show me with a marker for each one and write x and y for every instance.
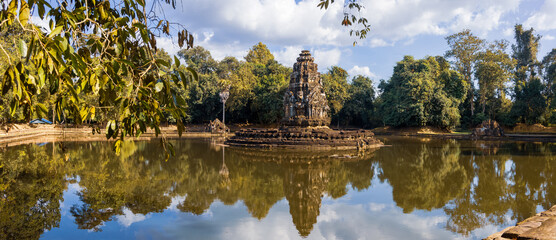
(300, 121)
(305, 137)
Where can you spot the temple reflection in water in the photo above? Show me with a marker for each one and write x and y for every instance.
(473, 183)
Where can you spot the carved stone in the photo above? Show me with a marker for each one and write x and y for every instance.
(488, 128)
(305, 102)
(217, 126)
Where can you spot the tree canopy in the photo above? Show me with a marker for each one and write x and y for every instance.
(423, 92)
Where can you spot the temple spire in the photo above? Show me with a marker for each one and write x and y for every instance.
(305, 102)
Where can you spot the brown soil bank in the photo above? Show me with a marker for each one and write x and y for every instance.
(16, 134)
(530, 129)
(408, 131)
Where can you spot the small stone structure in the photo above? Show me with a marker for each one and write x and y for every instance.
(541, 226)
(217, 126)
(305, 118)
(305, 103)
(488, 128)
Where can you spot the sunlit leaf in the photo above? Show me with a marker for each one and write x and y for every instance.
(24, 13)
(158, 86)
(22, 47)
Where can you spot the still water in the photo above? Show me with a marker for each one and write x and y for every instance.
(411, 189)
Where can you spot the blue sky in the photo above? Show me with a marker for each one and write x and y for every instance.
(399, 27)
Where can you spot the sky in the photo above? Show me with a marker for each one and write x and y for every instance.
(398, 28)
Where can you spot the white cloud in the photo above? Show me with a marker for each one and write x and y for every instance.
(276, 21)
(392, 21)
(129, 218)
(508, 32)
(544, 19)
(378, 42)
(548, 37)
(229, 27)
(357, 70)
(326, 58)
(168, 44)
(288, 55)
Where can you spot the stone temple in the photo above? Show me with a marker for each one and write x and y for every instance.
(305, 103)
(305, 121)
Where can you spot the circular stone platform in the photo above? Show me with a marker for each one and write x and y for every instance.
(305, 137)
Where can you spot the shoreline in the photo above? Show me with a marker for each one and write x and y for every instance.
(20, 134)
(40, 133)
(517, 137)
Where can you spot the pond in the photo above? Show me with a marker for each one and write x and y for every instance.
(411, 189)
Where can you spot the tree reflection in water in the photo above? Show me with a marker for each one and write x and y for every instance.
(475, 183)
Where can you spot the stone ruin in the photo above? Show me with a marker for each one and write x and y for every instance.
(305, 118)
(217, 127)
(305, 102)
(488, 128)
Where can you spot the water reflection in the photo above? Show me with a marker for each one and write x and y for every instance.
(474, 183)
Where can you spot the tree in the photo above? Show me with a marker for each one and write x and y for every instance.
(464, 49)
(269, 93)
(359, 109)
(493, 70)
(529, 101)
(199, 59)
(549, 67)
(100, 49)
(259, 54)
(422, 93)
(336, 89)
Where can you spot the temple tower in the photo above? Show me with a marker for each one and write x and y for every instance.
(305, 103)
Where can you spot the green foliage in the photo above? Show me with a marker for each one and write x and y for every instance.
(259, 54)
(549, 66)
(493, 71)
(98, 49)
(529, 101)
(352, 8)
(359, 108)
(336, 89)
(530, 104)
(256, 86)
(464, 50)
(422, 93)
(269, 92)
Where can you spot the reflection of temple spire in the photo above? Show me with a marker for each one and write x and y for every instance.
(304, 186)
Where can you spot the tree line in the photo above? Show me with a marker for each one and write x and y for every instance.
(475, 80)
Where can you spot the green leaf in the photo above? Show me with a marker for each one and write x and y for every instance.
(13, 107)
(176, 61)
(22, 47)
(194, 73)
(183, 79)
(24, 13)
(56, 31)
(12, 8)
(162, 62)
(30, 49)
(158, 86)
(41, 109)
